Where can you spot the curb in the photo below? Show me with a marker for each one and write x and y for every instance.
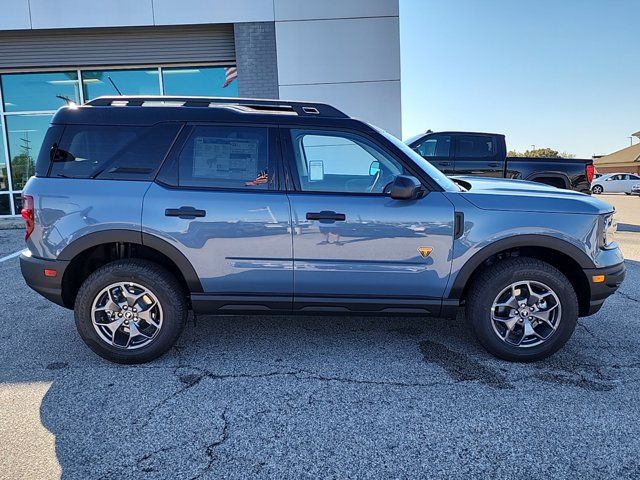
(11, 223)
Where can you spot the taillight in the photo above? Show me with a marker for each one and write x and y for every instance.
(590, 171)
(28, 215)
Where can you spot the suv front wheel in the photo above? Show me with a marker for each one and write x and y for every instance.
(130, 311)
(522, 309)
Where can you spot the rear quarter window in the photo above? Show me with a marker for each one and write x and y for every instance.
(49, 145)
(112, 152)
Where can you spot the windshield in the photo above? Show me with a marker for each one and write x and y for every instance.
(440, 178)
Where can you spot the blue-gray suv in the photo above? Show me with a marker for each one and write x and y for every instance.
(143, 208)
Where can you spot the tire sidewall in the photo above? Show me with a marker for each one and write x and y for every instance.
(168, 297)
(480, 314)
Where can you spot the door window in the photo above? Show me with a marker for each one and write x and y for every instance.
(435, 146)
(330, 162)
(223, 157)
(476, 146)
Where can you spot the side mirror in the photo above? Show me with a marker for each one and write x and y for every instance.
(405, 187)
(374, 168)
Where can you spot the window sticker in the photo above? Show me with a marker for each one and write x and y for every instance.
(225, 158)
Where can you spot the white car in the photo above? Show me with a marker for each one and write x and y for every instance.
(615, 183)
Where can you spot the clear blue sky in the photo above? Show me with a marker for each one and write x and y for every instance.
(563, 74)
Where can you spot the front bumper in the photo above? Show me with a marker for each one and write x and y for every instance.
(600, 291)
(33, 272)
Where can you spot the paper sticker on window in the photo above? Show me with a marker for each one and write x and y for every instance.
(225, 158)
(316, 170)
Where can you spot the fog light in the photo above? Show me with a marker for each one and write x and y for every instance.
(597, 278)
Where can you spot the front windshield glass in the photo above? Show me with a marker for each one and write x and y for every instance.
(440, 178)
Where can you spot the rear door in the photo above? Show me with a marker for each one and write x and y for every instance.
(355, 248)
(478, 154)
(437, 149)
(217, 200)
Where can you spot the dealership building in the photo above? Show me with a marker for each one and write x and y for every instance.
(343, 52)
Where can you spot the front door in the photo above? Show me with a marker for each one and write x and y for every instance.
(355, 248)
(437, 149)
(217, 201)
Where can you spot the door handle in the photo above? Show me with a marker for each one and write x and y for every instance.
(184, 212)
(494, 164)
(444, 164)
(326, 216)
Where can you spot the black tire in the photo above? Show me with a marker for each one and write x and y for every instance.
(156, 279)
(488, 284)
(597, 189)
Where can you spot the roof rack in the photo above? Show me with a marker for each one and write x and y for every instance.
(243, 105)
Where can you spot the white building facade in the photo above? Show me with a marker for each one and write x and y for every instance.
(342, 52)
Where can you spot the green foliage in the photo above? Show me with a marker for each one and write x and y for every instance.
(540, 153)
(21, 169)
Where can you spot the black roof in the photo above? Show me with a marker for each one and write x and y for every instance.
(147, 110)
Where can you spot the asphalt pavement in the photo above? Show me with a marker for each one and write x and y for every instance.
(317, 397)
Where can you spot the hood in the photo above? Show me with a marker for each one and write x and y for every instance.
(520, 195)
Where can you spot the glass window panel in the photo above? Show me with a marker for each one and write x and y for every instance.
(24, 92)
(342, 162)
(5, 206)
(226, 157)
(121, 152)
(17, 202)
(4, 175)
(129, 82)
(26, 133)
(203, 81)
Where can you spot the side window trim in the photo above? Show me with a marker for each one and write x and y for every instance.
(179, 143)
(292, 179)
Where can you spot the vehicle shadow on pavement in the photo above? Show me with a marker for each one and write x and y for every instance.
(304, 397)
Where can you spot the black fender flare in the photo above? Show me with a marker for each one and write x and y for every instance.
(94, 239)
(562, 176)
(543, 241)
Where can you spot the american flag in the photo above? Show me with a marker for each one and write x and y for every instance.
(230, 73)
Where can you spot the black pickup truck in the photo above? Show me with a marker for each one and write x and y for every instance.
(485, 154)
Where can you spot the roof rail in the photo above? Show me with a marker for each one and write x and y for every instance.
(244, 105)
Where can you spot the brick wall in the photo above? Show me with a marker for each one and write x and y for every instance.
(256, 59)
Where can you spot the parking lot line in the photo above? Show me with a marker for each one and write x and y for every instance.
(9, 257)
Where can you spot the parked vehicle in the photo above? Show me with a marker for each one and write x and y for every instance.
(485, 155)
(615, 183)
(143, 208)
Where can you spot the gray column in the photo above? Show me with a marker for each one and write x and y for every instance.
(256, 59)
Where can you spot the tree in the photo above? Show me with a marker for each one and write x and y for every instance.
(541, 152)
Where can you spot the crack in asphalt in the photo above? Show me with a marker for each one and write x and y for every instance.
(211, 448)
(627, 296)
(609, 346)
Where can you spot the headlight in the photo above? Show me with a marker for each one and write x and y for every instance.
(609, 228)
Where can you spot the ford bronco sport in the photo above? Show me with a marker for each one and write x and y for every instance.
(143, 208)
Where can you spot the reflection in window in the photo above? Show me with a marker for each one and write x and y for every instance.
(17, 202)
(28, 92)
(203, 81)
(5, 207)
(128, 82)
(26, 133)
(4, 176)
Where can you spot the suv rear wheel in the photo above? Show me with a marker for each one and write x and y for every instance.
(130, 311)
(522, 309)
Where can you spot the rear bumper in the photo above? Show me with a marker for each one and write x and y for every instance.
(33, 272)
(613, 277)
